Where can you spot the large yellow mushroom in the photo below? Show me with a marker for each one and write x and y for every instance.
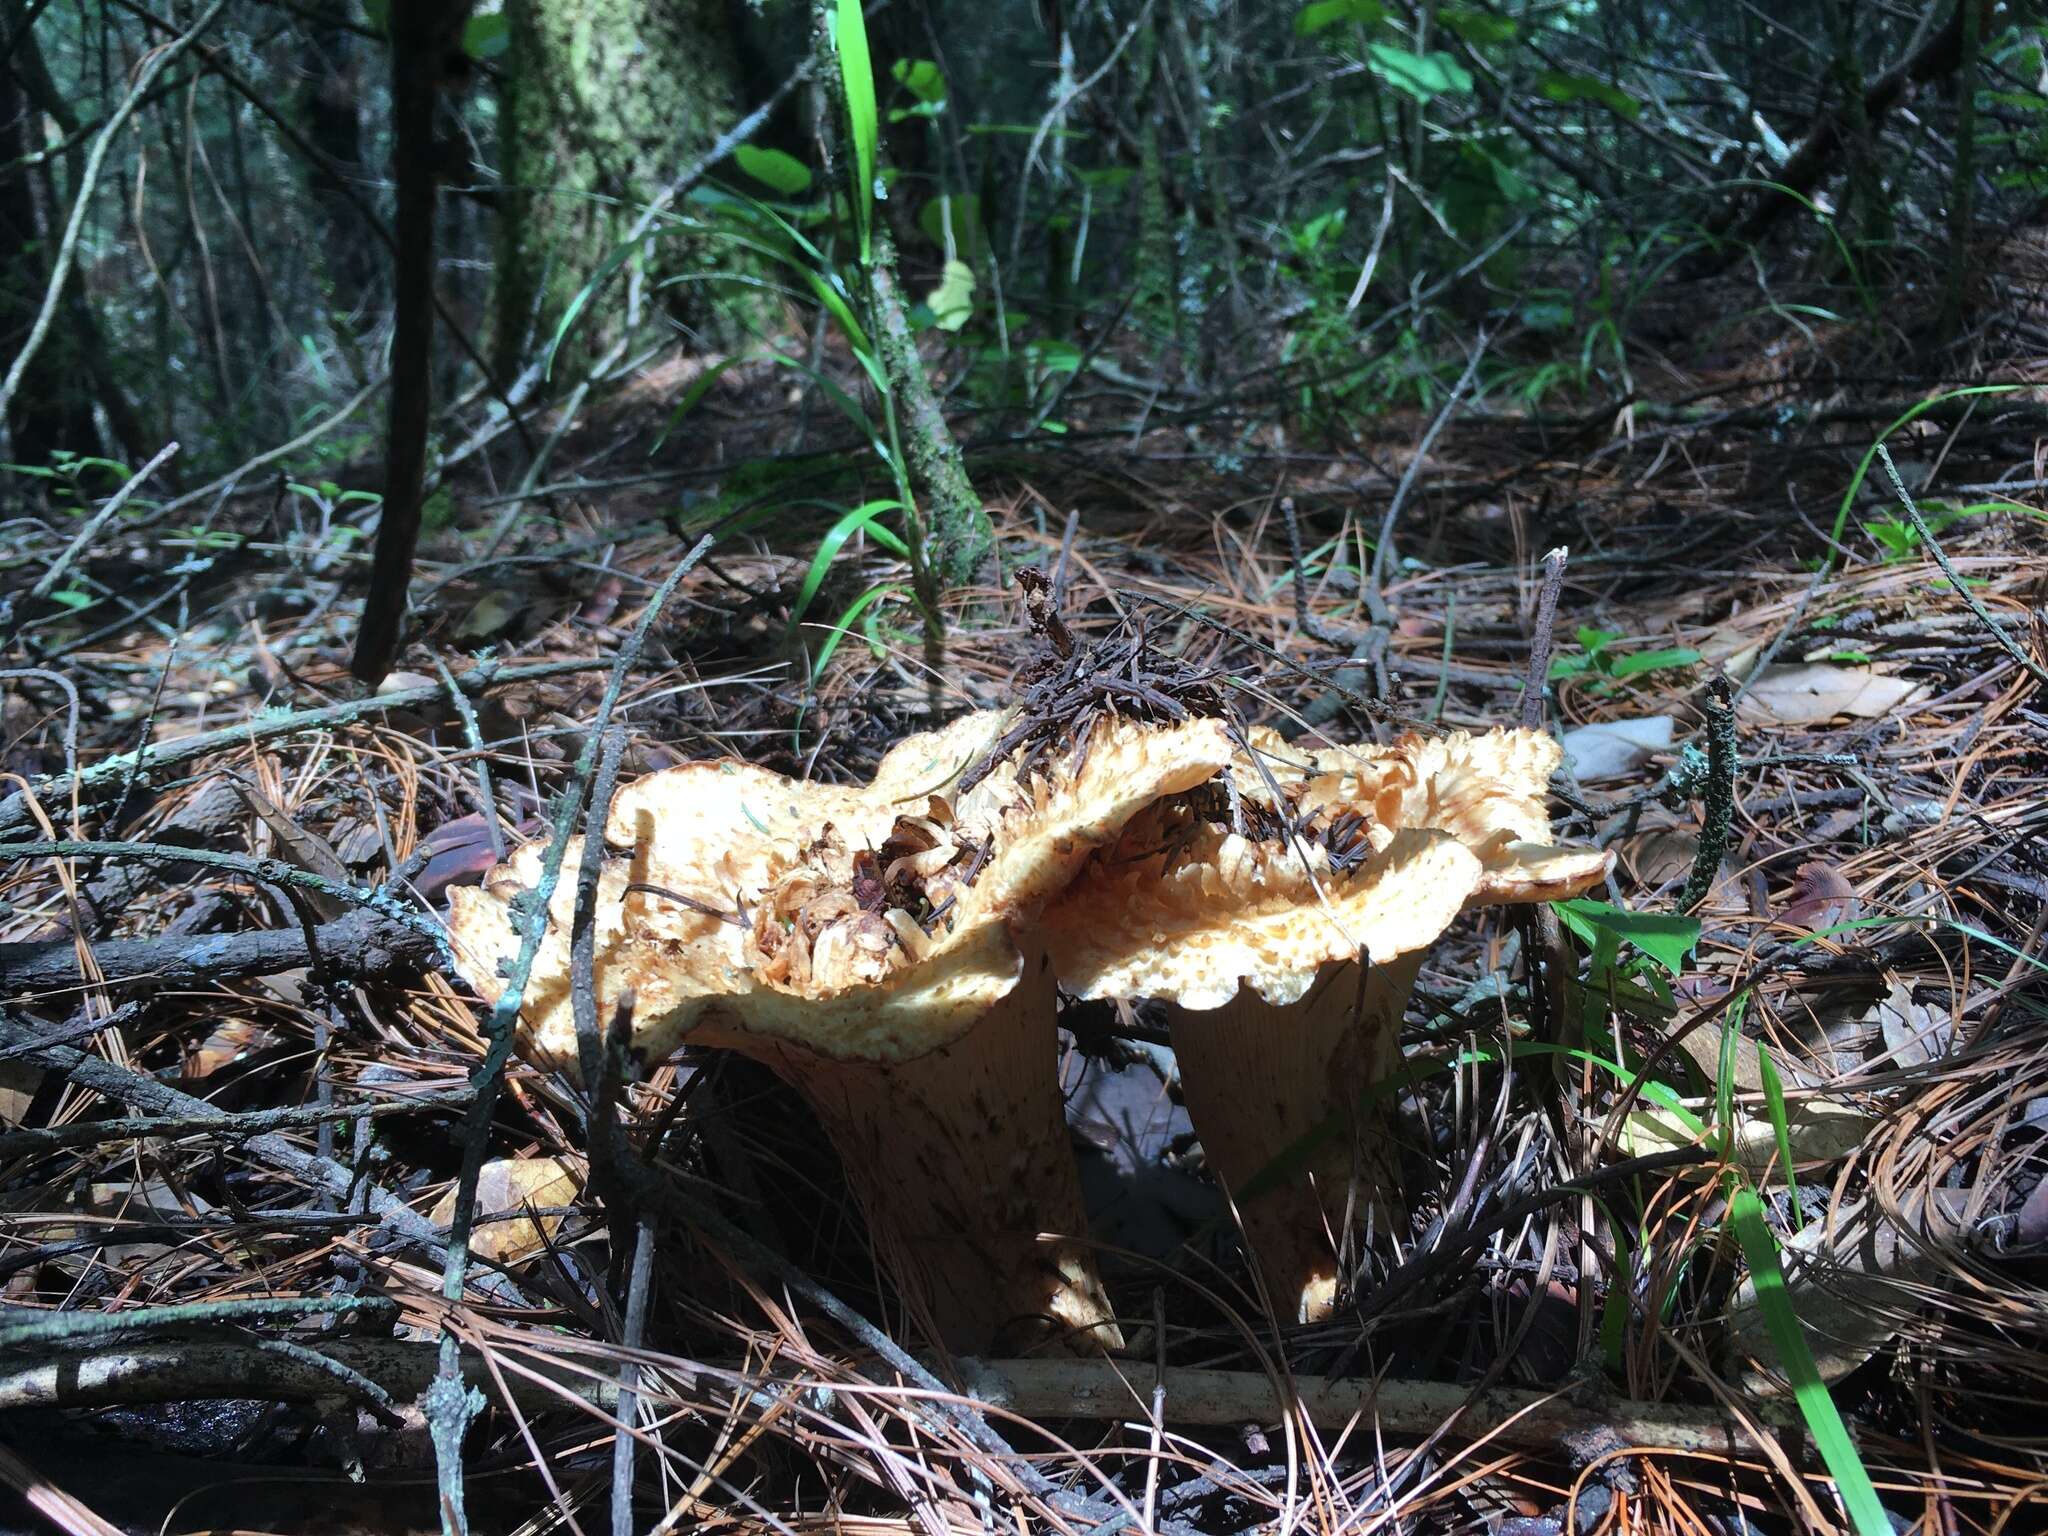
(876, 946)
(1248, 905)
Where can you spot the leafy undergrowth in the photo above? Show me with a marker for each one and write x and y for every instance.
(1818, 1100)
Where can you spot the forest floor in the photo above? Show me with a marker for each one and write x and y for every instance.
(1879, 910)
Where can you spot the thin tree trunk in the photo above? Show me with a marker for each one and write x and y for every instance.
(422, 33)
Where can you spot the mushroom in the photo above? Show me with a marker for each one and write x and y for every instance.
(875, 946)
(1246, 907)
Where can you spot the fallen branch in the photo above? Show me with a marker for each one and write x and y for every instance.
(363, 945)
(1037, 1390)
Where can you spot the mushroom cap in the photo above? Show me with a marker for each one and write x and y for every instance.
(877, 922)
(1344, 849)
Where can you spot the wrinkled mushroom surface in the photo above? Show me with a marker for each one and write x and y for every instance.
(871, 944)
(1247, 905)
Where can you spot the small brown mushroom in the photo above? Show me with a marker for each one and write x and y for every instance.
(1248, 911)
(877, 947)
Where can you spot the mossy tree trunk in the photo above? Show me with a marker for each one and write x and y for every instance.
(604, 102)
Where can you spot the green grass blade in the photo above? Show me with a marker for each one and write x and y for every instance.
(857, 71)
(835, 539)
(1830, 1436)
(844, 627)
(1774, 1106)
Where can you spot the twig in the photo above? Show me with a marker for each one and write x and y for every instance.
(1717, 811)
(28, 1326)
(1544, 639)
(1305, 618)
(106, 774)
(629, 1377)
(1033, 1389)
(1383, 549)
(99, 520)
(363, 944)
(448, 1405)
(288, 877)
(85, 1133)
(2011, 646)
(152, 1097)
(473, 733)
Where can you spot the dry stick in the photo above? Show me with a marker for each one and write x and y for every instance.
(152, 1097)
(448, 1404)
(99, 520)
(1544, 640)
(473, 733)
(363, 943)
(86, 1133)
(2011, 646)
(1535, 1419)
(1323, 710)
(60, 269)
(1718, 803)
(287, 877)
(629, 1378)
(106, 774)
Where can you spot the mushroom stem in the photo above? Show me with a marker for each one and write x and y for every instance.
(961, 1161)
(1262, 1078)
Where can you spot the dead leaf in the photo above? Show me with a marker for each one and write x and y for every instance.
(1851, 1291)
(1820, 1131)
(1809, 694)
(1914, 1033)
(303, 849)
(1821, 898)
(1613, 749)
(511, 1184)
(489, 617)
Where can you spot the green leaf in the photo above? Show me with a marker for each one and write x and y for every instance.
(1664, 936)
(920, 77)
(1324, 14)
(1651, 661)
(72, 598)
(486, 37)
(862, 516)
(857, 73)
(1421, 75)
(1830, 1437)
(1566, 88)
(1863, 464)
(1478, 27)
(970, 239)
(952, 302)
(774, 169)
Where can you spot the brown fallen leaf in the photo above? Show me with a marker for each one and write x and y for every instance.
(510, 1184)
(1821, 898)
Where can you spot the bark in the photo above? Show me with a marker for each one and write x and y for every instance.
(359, 946)
(425, 34)
(602, 102)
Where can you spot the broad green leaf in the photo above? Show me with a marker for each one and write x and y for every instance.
(774, 169)
(1830, 1436)
(1324, 14)
(1421, 75)
(952, 302)
(486, 37)
(1664, 936)
(857, 73)
(920, 77)
(72, 598)
(1562, 87)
